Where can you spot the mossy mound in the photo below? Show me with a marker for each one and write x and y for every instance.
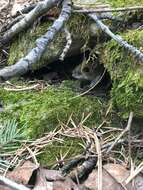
(78, 26)
(42, 111)
(126, 73)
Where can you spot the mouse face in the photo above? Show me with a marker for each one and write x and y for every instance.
(88, 71)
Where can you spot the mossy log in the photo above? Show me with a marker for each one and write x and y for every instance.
(78, 26)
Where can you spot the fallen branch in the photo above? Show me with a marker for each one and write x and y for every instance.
(41, 8)
(106, 10)
(12, 184)
(137, 53)
(8, 26)
(24, 64)
(68, 44)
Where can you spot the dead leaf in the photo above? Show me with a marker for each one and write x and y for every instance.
(120, 173)
(52, 175)
(108, 181)
(68, 184)
(45, 179)
(41, 183)
(3, 187)
(22, 174)
(114, 176)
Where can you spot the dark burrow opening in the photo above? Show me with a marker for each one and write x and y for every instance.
(58, 71)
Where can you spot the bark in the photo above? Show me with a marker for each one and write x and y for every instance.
(136, 53)
(41, 8)
(23, 65)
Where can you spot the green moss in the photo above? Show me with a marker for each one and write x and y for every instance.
(126, 72)
(42, 110)
(122, 3)
(115, 3)
(69, 148)
(26, 41)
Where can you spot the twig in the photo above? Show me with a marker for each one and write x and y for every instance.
(32, 156)
(24, 64)
(134, 174)
(122, 133)
(99, 163)
(41, 8)
(105, 10)
(137, 53)
(12, 184)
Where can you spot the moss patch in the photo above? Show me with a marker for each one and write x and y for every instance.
(25, 42)
(78, 26)
(126, 73)
(114, 3)
(42, 111)
(122, 3)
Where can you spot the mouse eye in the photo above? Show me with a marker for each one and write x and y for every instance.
(86, 70)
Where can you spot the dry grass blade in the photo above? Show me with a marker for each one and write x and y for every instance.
(99, 163)
(33, 156)
(134, 173)
(94, 85)
(33, 87)
(122, 133)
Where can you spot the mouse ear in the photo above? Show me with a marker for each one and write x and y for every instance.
(86, 69)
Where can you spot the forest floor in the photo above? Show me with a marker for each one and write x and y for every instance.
(82, 138)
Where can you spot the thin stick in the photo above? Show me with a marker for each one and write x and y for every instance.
(99, 163)
(32, 156)
(12, 184)
(134, 174)
(121, 9)
(122, 133)
(135, 52)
